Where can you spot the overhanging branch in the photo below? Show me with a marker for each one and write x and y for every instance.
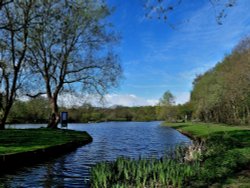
(36, 95)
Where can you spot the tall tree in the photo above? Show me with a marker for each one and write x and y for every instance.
(72, 51)
(222, 94)
(167, 99)
(16, 21)
(165, 109)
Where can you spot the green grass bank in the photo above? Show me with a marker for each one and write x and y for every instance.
(230, 145)
(219, 157)
(21, 146)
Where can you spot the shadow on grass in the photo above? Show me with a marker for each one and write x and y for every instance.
(240, 136)
(23, 147)
(179, 126)
(243, 136)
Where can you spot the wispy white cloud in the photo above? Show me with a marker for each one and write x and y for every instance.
(189, 75)
(195, 46)
(201, 34)
(158, 58)
(108, 100)
(149, 86)
(182, 97)
(128, 100)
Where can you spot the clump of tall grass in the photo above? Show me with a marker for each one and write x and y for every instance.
(194, 152)
(168, 171)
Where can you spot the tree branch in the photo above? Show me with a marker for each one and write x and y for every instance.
(36, 95)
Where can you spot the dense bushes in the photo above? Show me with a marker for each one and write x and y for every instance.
(32, 111)
(220, 159)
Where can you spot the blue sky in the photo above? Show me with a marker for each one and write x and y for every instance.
(156, 58)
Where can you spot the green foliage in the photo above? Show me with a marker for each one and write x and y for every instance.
(222, 94)
(32, 111)
(221, 159)
(166, 109)
(185, 111)
(125, 172)
(119, 113)
(224, 141)
(227, 151)
(167, 99)
(221, 165)
(146, 113)
(38, 111)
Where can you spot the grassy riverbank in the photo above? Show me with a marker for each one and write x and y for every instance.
(219, 159)
(231, 148)
(203, 131)
(14, 141)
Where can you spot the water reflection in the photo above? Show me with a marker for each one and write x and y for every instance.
(110, 140)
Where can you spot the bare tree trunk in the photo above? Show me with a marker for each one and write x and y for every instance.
(55, 116)
(2, 122)
(247, 115)
(4, 118)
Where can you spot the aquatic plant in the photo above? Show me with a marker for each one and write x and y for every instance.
(194, 152)
(168, 171)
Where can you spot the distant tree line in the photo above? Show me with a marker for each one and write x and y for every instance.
(118, 113)
(37, 111)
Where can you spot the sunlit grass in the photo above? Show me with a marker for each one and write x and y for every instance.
(203, 129)
(231, 151)
(22, 140)
(223, 151)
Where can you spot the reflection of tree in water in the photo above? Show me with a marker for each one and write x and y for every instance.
(102, 148)
(9, 177)
(54, 173)
(5, 182)
(48, 177)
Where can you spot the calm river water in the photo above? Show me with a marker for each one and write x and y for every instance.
(110, 140)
